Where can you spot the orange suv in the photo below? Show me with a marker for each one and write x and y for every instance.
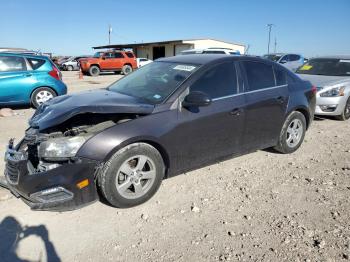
(109, 61)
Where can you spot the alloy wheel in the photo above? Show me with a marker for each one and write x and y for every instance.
(43, 96)
(294, 133)
(135, 177)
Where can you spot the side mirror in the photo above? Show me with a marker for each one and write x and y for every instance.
(103, 58)
(283, 61)
(196, 98)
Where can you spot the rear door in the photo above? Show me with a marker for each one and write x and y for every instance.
(118, 60)
(15, 80)
(207, 133)
(266, 94)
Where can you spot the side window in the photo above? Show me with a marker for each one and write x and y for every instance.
(259, 75)
(12, 64)
(285, 59)
(293, 58)
(130, 55)
(218, 81)
(280, 75)
(35, 63)
(143, 60)
(118, 55)
(108, 55)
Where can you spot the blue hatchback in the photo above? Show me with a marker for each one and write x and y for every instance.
(28, 79)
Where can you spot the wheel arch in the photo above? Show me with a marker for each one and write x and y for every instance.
(156, 144)
(306, 114)
(31, 93)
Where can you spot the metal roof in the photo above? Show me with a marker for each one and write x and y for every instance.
(131, 45)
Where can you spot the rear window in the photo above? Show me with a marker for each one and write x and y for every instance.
(118, 55)
(35, 63)
(326, 66)
(12, 64)
(259, 75)
(130, 55)
(213, 52)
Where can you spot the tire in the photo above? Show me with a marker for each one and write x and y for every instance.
(292, 133)
(346, 112)
(70, 68)
(127, 69)
(41, 95)
(94, 71)
(121, 176)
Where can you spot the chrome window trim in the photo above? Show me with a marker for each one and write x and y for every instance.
(249, 92)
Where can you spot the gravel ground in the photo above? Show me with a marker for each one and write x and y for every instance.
(260, 207)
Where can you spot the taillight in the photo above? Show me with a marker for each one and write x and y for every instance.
(55, 73)
(314, 90)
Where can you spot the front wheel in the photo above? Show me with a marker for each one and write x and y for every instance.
(132, 175)
(94, 71)
(41, 95)
(292, 133)
(346, 112)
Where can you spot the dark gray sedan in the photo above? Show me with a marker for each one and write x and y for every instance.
(171, 116)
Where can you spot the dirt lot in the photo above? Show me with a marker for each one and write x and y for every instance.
(259, 207)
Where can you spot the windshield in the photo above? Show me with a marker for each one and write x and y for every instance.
(274, 58)
(154, 82)
(98, 54)
(326, 66)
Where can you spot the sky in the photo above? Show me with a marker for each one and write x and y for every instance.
(72, 27)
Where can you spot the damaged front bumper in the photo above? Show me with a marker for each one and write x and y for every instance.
(66, 187)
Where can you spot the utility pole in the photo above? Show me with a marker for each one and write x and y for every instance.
(275, 45)
(109, 34)
(268, 45)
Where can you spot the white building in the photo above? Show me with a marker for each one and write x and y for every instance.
(154, 50)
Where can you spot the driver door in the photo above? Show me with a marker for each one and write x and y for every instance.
(210, 132)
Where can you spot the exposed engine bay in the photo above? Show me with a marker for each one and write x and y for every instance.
(50, 148)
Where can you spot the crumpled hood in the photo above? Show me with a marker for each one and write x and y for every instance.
(321, 81)
(62, 108)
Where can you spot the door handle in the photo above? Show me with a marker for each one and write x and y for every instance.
(236, 112)
(280, 99)
(28, 75)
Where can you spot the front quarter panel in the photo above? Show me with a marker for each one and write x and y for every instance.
(155, 128)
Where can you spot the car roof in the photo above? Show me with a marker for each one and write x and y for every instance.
(24, 55)
(334, 57)
(201, 59)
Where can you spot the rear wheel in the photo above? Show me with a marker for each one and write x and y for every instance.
(127, 69)
(70, 68)
(41, 95)
(132, 175)
(94, 71)
(292, 133)
(346, 112)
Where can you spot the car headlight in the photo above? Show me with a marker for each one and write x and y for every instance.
(336, 91)
(61, 148)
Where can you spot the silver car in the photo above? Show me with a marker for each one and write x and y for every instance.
(331, 76)
(71, 63)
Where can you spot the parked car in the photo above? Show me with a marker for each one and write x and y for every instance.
(28, 79)
(290, 61)
(72, 63)
(110, 61)
(331, 76)
(143, 61)
(176, 114)
(211, 50)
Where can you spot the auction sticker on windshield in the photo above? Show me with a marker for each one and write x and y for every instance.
(306, 67)
(184, 68)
